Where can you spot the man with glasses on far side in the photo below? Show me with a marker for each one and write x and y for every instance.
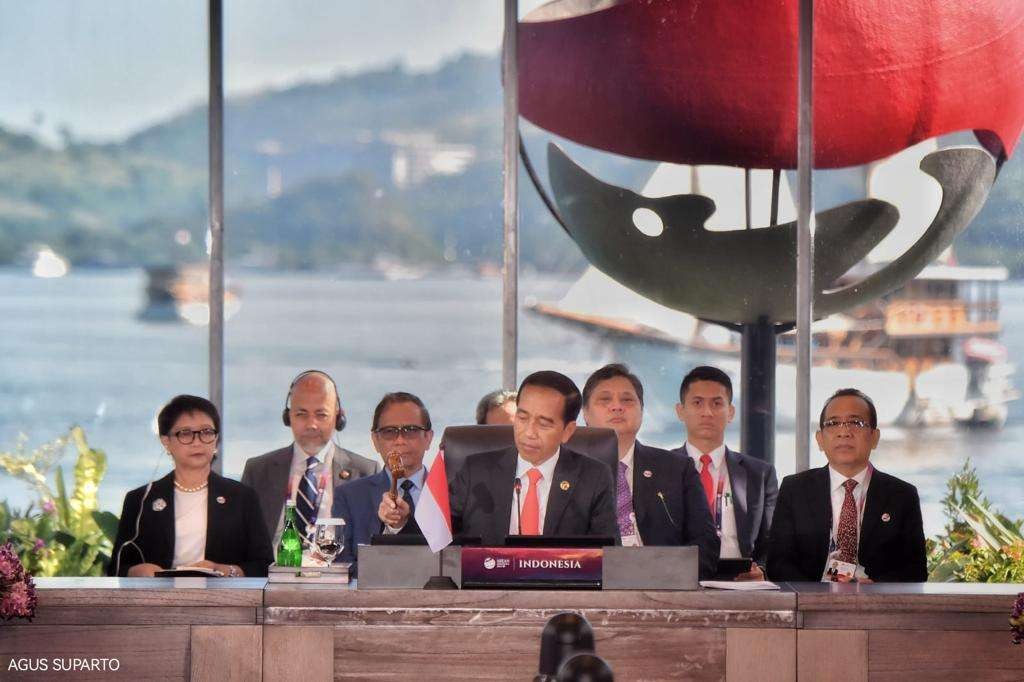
(847, 521)
(401, 426)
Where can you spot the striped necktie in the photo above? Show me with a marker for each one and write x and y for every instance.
(306, 499)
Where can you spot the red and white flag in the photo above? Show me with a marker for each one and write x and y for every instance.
(433, 513)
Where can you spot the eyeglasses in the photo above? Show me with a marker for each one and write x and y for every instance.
(835, 425)
(393, 432)
(186, 436)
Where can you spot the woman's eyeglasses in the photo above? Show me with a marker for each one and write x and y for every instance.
(186, 436)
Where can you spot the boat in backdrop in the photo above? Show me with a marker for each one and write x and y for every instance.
(928, 353)
(181, 293)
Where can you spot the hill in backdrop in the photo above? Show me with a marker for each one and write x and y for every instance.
(385, 162)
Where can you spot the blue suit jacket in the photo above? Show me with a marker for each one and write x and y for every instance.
(356, 502)
(755, 487)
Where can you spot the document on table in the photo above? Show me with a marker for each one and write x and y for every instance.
(741, 585)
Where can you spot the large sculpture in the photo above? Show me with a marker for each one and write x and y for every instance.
(697, 82)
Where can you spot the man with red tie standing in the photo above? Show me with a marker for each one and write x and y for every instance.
(558, 492)
(847, 521)
(740, 489)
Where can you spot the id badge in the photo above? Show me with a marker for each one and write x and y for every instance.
(834, 568)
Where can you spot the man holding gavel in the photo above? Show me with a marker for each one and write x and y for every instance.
(401, 433)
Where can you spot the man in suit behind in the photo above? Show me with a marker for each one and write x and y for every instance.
(848, 513)
(401, 426)
(659, 498)
(740, 490)
(313, 412)
(560, 492)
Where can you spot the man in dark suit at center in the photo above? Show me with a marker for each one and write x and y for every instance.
(740, 489)
(560, 492)
(659, 498)
(847, 521)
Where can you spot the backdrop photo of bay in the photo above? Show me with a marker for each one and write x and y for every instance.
(73, 351)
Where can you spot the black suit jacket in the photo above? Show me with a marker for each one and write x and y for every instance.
(755, 488)
(682, 517)
(481, 497)
(891, 545)
(235, 532)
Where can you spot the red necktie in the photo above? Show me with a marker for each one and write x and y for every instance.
(530, 513)
(846, 531)
(705, 479)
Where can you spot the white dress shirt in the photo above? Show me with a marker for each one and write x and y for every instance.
(838, 494)
(189, 527)
(547, 470)
(719, 470)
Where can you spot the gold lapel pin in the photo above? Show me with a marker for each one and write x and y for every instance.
(885, 517)
(647, 473)
(220, 499)
(344, 474)
(564, 485)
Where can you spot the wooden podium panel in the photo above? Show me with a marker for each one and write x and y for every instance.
(245, 629)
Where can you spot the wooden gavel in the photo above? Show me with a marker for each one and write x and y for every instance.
(397, 469)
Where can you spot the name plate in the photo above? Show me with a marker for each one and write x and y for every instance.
(533, 567)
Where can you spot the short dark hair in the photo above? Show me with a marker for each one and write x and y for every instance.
(492, 400)
(615, 369)
(557, 381)
(185, 404)
(400, 397)
(853, 392)
(705, 373)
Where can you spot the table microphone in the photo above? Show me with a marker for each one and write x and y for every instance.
(517, 486)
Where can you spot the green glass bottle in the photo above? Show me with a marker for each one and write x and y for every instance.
(289, 552)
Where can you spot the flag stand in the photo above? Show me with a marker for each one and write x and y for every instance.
(440, 581)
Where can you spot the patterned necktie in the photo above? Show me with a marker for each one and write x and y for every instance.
(529, 517)
(846, 532)
(709, 485)
(305, 500)
(410, 524)
(624, 503)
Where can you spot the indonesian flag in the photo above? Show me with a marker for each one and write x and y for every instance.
(433, 514)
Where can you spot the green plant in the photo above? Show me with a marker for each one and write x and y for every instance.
(979, 544)
(59, 534)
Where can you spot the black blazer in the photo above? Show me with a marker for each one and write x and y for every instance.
(755, 488)
(481, 497)
(682, 517)
(235, 532)
(891, 536)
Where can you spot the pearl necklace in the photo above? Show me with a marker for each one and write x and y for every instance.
(190, 490)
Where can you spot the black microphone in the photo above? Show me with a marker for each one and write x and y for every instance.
(585, 668)
(664, 506)
(564, 635)
(517, 485)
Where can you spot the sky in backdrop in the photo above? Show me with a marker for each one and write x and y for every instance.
(102, 69)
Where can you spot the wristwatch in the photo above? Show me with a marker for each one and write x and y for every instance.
(233, 572)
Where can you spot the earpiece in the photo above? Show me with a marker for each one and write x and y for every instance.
(286, 417)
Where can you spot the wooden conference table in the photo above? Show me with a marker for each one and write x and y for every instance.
(244, 629)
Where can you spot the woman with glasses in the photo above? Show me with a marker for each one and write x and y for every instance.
(192, 516)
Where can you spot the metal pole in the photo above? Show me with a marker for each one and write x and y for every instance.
(757, 372)
(804, 236)
(510, 270)
(215, 128)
